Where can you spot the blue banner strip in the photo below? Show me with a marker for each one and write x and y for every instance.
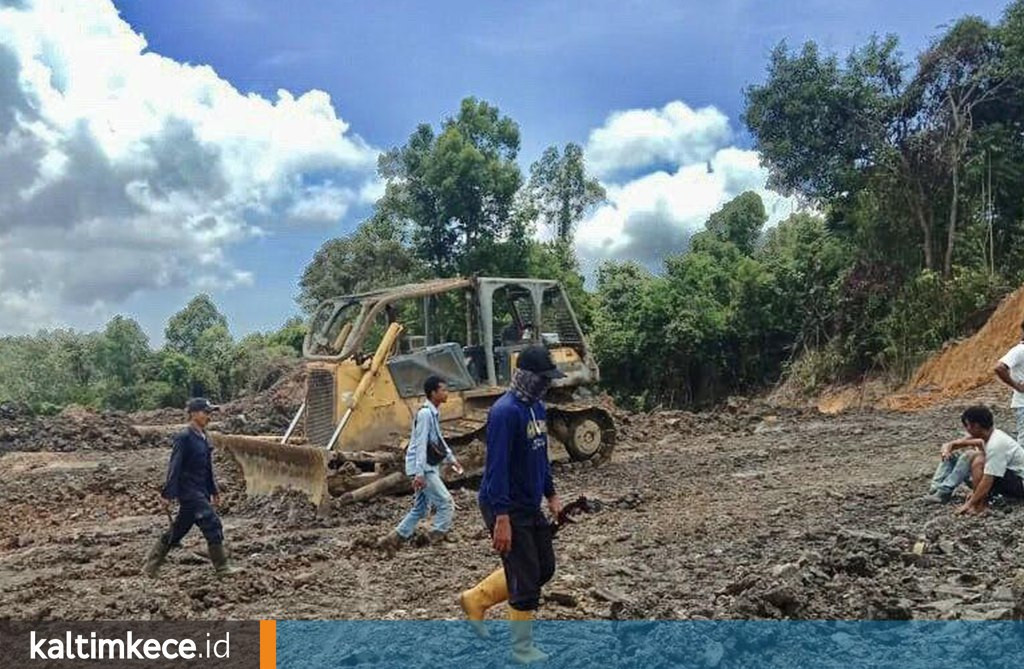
(657, 644)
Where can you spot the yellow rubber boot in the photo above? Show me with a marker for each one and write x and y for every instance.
(521, 628)
(482, 596)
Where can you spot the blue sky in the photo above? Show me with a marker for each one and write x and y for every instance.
(560, 69)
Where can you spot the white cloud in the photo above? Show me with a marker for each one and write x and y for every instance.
(125, 171)
(654, 215)
(638, 138)
(322, 203)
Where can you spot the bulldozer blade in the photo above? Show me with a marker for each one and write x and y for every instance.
(268, 465)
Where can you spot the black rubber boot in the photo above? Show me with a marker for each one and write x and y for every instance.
(155, 558)
(219, 558)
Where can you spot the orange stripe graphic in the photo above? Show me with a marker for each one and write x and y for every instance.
(268, 644)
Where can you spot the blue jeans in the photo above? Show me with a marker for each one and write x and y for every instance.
(951, 473)
(434, 495)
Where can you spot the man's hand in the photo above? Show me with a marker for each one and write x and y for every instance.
(555, 507)
(969, 508)
(216, 500)
(165, 503)
(947, 450)
(502, 540)
(457, 468)
(419, 483)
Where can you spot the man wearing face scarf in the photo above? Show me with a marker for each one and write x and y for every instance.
(517, 476)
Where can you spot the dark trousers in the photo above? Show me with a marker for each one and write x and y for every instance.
(197, 512)
(1009, 484)
(531, 562)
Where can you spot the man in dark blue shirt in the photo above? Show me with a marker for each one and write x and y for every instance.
(517, 477)
(190, 480)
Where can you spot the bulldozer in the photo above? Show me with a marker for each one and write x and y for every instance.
(367, 356)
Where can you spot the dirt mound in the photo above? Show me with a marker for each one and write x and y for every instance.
(965, 365)
(269, 412)
(73, 429)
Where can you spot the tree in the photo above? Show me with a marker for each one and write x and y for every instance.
(257, 363)
(740, 221)
(806, 260)
(214, 354)
(175, 373)
(121, 355)
(290, 336)
(955, 76)
(187, 326)
(457, 188)
(817, 125)
(560, 190)
(122, 351)
(376, 255)
(829, 132)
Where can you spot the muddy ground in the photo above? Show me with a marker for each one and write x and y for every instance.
(749, 512)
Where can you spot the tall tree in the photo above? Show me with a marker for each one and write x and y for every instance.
(376, 255)
(122, 351)
(457, 188)
(560, 190)
(740, 221)
(185, 328)
(955, 76)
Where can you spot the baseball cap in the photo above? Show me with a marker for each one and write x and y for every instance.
(200, 404)
(538, 360)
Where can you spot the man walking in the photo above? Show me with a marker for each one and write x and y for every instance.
(517, 475)
(1010, 370)
(427, 451)
(190, 480)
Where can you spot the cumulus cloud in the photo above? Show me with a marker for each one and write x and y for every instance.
(676, 134)
(654, 215)
(125, 171)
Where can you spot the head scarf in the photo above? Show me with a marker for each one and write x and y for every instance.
(529, 387)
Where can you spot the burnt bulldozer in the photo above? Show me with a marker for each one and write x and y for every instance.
(367, 356)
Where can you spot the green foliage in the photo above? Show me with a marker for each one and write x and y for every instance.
(914, 169)
(376, 255)
(739, 222)
(50, 369)
(457, 188)
(929, 311)
(122, 353)
(290, 336)
(556, 260)
(560, 190)
(187, 326)
(258, 362)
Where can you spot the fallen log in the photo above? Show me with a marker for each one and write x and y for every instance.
(366, 456)
(378, 487)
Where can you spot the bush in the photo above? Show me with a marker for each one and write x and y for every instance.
(929, 311)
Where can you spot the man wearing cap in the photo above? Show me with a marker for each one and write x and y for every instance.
(190, 480)
(517, 476)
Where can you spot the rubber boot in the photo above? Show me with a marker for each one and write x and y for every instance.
(155, 558)
(521, 628)
(437, 537)
(482, 596)
(392, 541)
(219, 558)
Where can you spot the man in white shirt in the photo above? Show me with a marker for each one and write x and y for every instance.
(1010, 371)
(999, 468)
